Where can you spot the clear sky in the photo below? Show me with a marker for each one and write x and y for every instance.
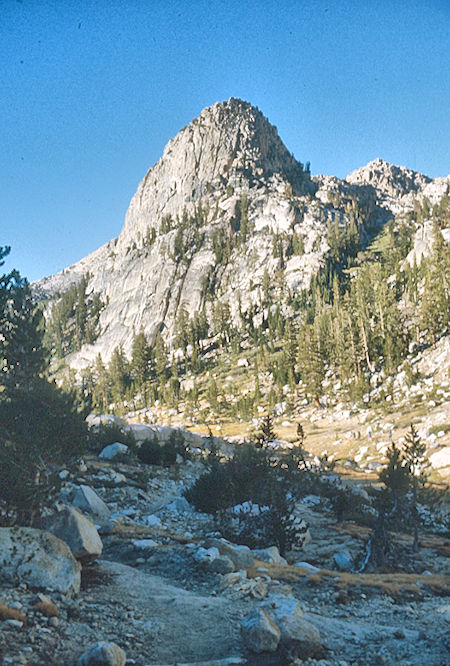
(92, 90)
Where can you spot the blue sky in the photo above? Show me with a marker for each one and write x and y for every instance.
(91, 91)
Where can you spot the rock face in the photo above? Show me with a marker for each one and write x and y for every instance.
(39, 559)
(207, 213)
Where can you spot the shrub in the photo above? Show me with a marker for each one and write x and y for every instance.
(105, 434)
(149, 452)
(40, 427)
(153, 453)
(251, 477)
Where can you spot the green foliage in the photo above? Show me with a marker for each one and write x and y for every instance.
(40, 427)
(40, 430)
(403, 476)
(243, 477)
(22, 353)
(266, 433)
(250, 477)
(105, 434)
(74, 319)
(140, 359)
(119, 373)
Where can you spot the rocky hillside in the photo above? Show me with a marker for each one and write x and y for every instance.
(159, 585)
(225, 207)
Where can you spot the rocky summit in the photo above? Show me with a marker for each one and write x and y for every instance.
(206, 218)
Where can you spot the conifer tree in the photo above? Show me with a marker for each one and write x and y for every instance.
(161, 359)
(22, 353)
(140, 359)
(119, 373)
(102, 386)
(415, 458)
(40, 426)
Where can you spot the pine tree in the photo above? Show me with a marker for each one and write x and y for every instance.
(415, 458)
(102, 386)
(434, 313)
(161, 359)
(311, 361)
(22, 352)
(40, 426)
(266, 433)
(140, 359)
(119, 374)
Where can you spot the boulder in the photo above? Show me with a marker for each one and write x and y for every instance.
(113, 451)
(162, 434)
(39, 559)
(343, 561)
(295, 631)
(259, 632)
(145, 544)
(179, 505)
(441, 458)
(221, 565)
(270, 554)
(89, 502)
(103, 654)
(77, 531)
(241, 556)
(94, 420)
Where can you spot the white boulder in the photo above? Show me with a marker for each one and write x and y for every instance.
(103, 654)
(114, 451)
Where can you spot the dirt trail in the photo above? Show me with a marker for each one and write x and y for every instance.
(162, 623)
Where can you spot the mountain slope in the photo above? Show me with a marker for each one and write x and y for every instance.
(226, 208)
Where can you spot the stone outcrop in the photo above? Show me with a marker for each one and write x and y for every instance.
(259, 632)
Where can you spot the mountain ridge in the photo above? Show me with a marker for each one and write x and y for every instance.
(207, 212)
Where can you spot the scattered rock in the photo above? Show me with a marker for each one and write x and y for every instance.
(441, 458)
(241, 556)
(343, 561)
(295, 630)
(179, 505)
(270, 554)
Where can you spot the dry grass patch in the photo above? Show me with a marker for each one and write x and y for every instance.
(47, 608)
(127, 532)
(363, 533)
(393, 584)
(8, 613)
